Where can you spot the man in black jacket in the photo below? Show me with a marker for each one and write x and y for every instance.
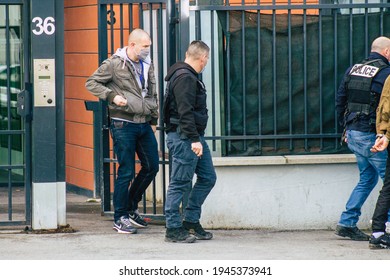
(186, 119)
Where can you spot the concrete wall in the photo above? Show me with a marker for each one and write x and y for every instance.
(284, 193)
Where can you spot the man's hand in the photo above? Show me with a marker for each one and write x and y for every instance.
(154, 128)
(119, 101)
(197, 148)
(380, 145)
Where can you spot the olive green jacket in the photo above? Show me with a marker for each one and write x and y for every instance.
(117, 76)
(383, 111)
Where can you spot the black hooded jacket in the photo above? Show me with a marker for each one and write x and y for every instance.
(187, 108)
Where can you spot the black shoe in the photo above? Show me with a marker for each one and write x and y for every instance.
(137, 220)
(197, 230)
(382, 242)
(352, 232)
(123, 225)
(179, 235)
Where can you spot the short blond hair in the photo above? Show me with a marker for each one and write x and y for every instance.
(197, 49)
(137, 35)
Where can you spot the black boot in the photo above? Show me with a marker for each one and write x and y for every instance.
(197, 230)
(180, 235)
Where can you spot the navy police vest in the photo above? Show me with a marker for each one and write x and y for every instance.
(361, 99)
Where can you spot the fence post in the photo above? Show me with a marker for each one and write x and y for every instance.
(97, 123)
(184, 28)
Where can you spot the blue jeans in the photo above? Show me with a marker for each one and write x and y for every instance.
(371, 166)
(129, 139)
(185, 164)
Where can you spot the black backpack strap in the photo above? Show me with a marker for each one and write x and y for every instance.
(168, 93)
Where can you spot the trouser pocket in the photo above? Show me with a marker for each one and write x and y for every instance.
(183, 160)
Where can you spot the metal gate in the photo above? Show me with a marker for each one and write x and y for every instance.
(272, 76)
(15, 131)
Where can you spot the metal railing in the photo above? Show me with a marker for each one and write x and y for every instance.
(275, 69)
(117, 19)
(272, 76)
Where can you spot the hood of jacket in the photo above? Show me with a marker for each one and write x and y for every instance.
(122, 54)
(375, 55)
(177, 66)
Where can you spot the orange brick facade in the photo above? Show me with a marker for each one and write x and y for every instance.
(81, 59)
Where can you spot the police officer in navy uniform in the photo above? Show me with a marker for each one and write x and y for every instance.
(356, 102)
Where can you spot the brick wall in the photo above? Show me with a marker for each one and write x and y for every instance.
(81, 60)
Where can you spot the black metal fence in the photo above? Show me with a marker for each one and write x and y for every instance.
(275, 70)
(116, 20)
(272, 76)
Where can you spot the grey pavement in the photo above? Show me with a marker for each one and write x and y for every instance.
(95, 239)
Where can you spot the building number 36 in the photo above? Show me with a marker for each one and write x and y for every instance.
(44, 26)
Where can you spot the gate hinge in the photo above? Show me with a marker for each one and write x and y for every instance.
(174, 20)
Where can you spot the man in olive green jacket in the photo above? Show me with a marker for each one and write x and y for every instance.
(127, 82)
(129, 86)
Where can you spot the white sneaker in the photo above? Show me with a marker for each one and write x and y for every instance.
(387, 227)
